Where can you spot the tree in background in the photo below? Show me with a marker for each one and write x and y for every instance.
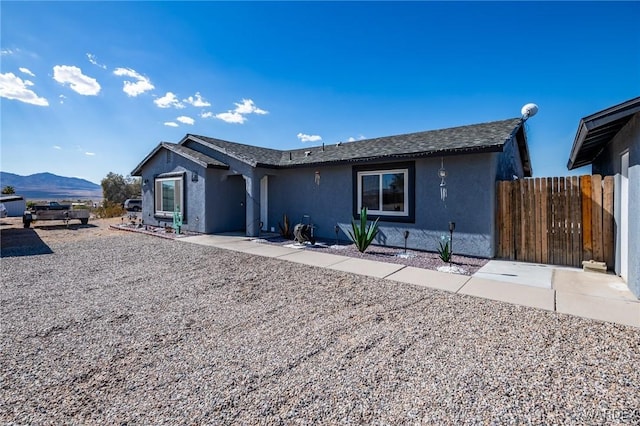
(8, 190)
(134, 186)
(116, 188)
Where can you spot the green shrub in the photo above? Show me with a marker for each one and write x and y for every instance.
(363, 234)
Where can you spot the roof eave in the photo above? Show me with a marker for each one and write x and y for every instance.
(219, 149)
(138, 170)
(581, 134)
(595, 121)
(402, 156)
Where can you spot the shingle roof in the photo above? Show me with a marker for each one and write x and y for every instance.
(484, 137)
(183, 151)
(250, 154)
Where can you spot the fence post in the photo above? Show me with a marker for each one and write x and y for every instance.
(596, 218)
(608, 222)
(587, 233)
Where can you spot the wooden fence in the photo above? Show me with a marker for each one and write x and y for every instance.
(558, 221)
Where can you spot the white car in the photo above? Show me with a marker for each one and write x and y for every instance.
(3, 211)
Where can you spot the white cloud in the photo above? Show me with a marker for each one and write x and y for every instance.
(171, 124)
(134, 88)
(308, 138)
(237, 115)
(94, 61)
(58, 147)
(169, 100)
(197, 101)
(26, 71)
(78, 82)
(13, 87)
(185, 120)
(352, 139)
(6, 52)
(207, 114)
(231, 117)
(90, 154)
(62, 98)
(248, 107)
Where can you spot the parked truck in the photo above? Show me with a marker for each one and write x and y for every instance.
(54, 211)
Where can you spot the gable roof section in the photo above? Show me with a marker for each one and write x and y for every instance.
(252, 155)
(597, 130)
(188, 153)
(476, 138)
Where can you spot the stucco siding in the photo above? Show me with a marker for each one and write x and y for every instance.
(194, 209)
(470, 203)
(294, 192)
(509, 162)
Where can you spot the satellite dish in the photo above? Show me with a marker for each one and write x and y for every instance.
(529, 110)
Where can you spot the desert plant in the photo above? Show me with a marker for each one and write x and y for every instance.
(285, 230)
(362, 235)
(444, 249)
(109, 209)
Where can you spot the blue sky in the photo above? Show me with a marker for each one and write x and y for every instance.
(89, 88)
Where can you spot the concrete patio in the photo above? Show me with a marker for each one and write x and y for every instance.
(565, 290)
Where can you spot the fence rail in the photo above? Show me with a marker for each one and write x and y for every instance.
(559, 220)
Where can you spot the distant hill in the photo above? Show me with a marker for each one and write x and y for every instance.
(47, 186)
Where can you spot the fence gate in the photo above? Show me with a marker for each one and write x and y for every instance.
(558, 221)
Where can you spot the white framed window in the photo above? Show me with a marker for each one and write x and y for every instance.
(384, 192)
(169, 195)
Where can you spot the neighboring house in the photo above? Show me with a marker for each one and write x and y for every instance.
(223, 186)
(15, 205)
(609, 140)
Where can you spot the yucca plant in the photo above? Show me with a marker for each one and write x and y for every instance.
(444, 251)
(362, 235)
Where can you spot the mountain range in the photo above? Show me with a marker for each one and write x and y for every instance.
(47, 186)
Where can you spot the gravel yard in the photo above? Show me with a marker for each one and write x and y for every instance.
(115, 327)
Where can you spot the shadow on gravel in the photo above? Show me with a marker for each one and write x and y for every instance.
(21, 242)
(61, 226)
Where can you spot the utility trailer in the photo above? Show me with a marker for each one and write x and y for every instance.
(54, 211)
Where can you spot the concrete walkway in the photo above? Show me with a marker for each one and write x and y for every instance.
(603, 297)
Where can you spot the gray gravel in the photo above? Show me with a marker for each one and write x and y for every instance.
(415, 258)
(133, 329)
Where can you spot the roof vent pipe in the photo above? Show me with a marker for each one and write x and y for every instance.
(289, 155)
(322, 146)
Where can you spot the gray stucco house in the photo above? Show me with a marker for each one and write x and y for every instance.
(609, 140)
(223, 186)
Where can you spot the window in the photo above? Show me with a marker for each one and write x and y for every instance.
(168, 195)
(385, 190)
